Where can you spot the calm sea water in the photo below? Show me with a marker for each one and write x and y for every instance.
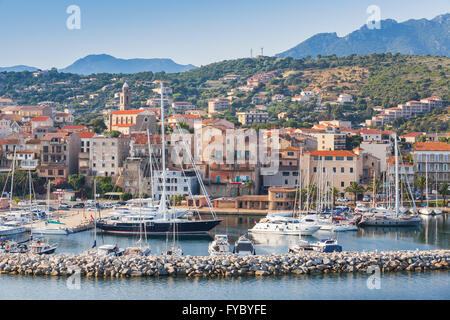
(433, 234)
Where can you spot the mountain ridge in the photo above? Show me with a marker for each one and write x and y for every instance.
(412, 36)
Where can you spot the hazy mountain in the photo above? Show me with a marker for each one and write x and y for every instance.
(410, 37)
(103, 63)
(18, 69)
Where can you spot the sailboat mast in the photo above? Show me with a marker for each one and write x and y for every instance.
(150, 163)
(426, 177)
(396, 175)
(162, 204)
(300, 177)
(12, 180)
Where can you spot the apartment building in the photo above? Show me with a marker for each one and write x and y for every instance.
(432, 158)
(178, 182)
(330, 138)
(252, 117)
(336, 168)
(107, 154)
(409, 109)
(59, 155)
(218, 104)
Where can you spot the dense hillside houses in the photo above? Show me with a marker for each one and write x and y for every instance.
(249, 145)
(409, 109)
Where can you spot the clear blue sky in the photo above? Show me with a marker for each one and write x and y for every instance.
(34, 33)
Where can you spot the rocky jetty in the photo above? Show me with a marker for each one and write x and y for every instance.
(205, 266)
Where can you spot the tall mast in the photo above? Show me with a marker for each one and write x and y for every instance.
(162, 203)
(150, 163)
(12, 179)
(300, 177)
(426, 177)
(396, 175)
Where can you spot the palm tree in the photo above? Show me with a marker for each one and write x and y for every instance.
(443, 191)
(334, 194)
(312, 193)
(420, 183)
(374, 186)
(354, 188)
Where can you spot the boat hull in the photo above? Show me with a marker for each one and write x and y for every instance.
(159, 228)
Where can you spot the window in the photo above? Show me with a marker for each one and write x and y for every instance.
(315, 169)
(342, 169)
(285, 174)
(328, 158)
(334, 169)
(350, 158)
(351, 170)
(339, 158)
(342, 183)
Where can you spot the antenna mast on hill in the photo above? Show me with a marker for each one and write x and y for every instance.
(262, 51)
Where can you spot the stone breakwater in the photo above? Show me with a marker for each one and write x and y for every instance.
(205, 266)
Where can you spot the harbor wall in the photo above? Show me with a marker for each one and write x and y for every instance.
(207, 266)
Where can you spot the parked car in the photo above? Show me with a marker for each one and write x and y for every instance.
(78, 205)
(366, 199)
(64, 206)
(343, 200)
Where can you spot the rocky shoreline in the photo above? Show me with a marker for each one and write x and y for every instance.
(206, 266)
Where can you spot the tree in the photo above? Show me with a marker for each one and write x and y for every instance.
(334, 192)
(420, 183)
(354, 188)
(98, 124)
(77, 181)
(374, 186)
(443, 191)
(113, 133)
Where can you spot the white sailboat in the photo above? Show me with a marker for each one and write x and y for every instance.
(389, 218)
(427, 210)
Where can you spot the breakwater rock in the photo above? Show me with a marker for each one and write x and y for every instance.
(206, 266)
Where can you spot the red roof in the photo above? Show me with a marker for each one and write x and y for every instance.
(334, 153)
(74, 127)
(86, 135)
(42, 118)
(432, 146)
(128, 111)
(412, 134)
(123, 125)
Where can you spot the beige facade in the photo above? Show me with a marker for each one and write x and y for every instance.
(59, 155)
(107, 155)
(332, 168)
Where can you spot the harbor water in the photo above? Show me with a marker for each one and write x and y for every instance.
(433, 234)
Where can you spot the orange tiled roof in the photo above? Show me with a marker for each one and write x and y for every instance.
(42, 118)
(432, 146)
(86, 135)
(123, 125)
(127, 112)
(412, 134)
(333, 153)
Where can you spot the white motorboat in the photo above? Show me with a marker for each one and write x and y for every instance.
(268, 226)
(11, 228)
(37, 246)
(244, 247)
(437, 211)
(51, 231)
(280, 214)
(325, 245)
(361, 208)
(426, 211)
(220, 246)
